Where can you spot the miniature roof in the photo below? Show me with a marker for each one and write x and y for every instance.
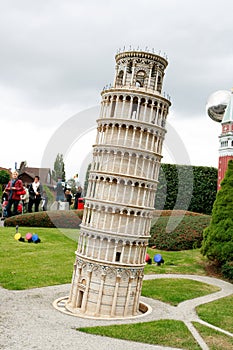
(228, 115)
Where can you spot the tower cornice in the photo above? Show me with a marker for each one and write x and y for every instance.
(136, 123)
(142, 54)
(142, 92)
(137, 151)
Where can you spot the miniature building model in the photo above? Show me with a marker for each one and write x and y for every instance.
(110, 258)
(220, 109)
(226, 141)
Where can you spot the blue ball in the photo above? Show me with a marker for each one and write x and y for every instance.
(35, 238)
(157, 258)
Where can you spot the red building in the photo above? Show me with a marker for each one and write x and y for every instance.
(226, 141)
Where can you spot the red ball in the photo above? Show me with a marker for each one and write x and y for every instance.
(28, 236)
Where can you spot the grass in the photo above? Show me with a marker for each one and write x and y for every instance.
(183, 262)
(28, 265)
(174, 291)
(163, 332)
(214, 339)
(51, 262)
(218, 313)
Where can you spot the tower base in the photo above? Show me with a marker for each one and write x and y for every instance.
(61, 305)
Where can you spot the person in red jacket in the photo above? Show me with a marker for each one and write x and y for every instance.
(14, 190)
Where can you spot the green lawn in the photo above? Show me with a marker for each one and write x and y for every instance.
(183, 262)
(163, 332)
(218, 312)
(174, 291)
(51, 261)
(214, 339)
(29, 265)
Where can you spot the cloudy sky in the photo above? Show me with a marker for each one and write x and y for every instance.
(57, 55)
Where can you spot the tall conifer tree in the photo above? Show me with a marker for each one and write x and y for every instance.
(218, 236)
(59, 168)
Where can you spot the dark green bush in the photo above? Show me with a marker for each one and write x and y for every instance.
(217, 242)
(227, 270)
(188, 233)
(59, 218)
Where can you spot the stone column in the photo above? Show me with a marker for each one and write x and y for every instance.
(110, 108)
(84, 301)
(138, 108)
(100, 247)
(122, 252)
(103, 277)
(114, 252)
(151, 111)
(130, 249)
(126, 135)
(124, 77)
(117, 106)
(113, 311)
(130, 107)
(107, 250)
(145, 110)
(133, 138)
(156, 78)
(73, 297)
(132, 76)
(118, 134)
(128, 296)
(148, 83)
(123, 106)
(136, 165)
(137, 294)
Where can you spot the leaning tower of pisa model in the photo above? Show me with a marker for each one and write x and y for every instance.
(110, 257)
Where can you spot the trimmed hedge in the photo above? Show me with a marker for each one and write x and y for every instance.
(196, 186)
(59, 218)
(188, 233)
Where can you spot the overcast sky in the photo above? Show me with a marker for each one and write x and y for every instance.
(56, 56)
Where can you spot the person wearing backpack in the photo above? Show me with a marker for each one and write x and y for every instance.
(60, 191)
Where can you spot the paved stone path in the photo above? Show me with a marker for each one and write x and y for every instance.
(29, 321)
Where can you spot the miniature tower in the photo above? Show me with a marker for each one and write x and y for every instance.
(110, 257)
(226, 141)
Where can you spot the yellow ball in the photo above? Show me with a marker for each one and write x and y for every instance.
(17, 236)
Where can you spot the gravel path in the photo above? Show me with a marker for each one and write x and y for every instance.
(29, 321)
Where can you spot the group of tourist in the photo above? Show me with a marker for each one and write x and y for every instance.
(32, 195)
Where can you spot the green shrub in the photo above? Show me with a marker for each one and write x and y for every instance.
(227, 270)
(59, 218)
(218, 236)
(188, 233)
(4, 178)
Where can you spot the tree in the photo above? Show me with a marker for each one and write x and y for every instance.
(4, 178)
(72, 184)
(217, 243)
(58, 171)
